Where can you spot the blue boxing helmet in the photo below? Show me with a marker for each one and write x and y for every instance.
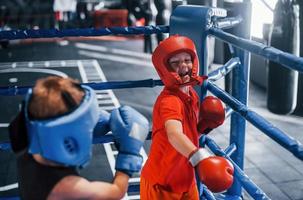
(66, 139)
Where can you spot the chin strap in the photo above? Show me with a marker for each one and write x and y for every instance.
(198, 80)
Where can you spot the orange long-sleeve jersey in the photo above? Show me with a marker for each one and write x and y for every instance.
(166, 166)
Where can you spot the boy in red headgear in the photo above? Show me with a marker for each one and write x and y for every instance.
(169, 169)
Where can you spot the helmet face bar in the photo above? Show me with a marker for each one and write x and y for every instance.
(66, 139)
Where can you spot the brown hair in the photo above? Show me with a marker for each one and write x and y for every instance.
(53, 96)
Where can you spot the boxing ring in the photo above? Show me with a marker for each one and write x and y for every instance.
(207, 22)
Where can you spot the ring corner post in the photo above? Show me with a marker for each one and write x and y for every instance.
(240, 89)
(194, 22)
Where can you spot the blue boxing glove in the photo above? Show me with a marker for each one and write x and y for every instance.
(130, 130)
(102, 127)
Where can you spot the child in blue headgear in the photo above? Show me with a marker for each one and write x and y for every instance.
(52, 137)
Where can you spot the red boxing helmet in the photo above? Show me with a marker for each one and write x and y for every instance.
(165, 50)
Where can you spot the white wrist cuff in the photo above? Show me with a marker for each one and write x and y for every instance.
(201, 154)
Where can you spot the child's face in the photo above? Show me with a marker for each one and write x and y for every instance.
(182, 64)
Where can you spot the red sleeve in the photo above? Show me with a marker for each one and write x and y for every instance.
(171, 108)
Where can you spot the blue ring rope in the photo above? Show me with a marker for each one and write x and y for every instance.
(286, 141)
(253, 190)
(213, 76)
(85, 32)
(88, 32)
(288, 60)
(22, 90)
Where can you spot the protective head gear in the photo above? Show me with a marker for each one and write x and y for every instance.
(168, 48)
(65, 139)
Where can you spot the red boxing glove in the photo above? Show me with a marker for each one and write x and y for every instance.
(212, 114)
(214, 171)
